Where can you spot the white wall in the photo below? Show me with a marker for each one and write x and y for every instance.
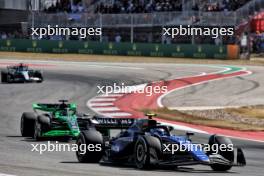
(14, 4)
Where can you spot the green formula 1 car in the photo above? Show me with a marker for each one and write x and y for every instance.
(57, 120)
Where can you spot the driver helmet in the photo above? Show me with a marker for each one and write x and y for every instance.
(64, 112)
(159, 131)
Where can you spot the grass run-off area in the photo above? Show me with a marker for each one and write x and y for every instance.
(245, 118)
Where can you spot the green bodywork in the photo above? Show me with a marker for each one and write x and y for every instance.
(66, 117)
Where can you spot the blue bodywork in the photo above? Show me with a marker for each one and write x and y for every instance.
(122, 146)
(144, 142)
(195, 150)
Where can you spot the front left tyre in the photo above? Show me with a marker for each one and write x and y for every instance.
(147, 151)
(27, 124)
(3, 77)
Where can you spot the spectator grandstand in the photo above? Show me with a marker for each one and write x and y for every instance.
(55, 6)
(218, 5)
(149, 6)
(141, 6)
(145, 20)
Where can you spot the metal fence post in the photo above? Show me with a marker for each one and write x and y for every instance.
(101, 26)
(132, 29)
(32, 20)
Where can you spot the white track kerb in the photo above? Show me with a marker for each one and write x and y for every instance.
(159, 101)
(2, 174)
(104, 104)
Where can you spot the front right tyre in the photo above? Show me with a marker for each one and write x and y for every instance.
(87, 140)
(37, 131)
(228, 154)
(38, 74)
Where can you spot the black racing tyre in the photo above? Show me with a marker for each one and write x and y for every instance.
(37, 131)
(8, 78)
(40, 81)
(3, 77)
(44, 120)
(229, 155)
(38, 74)
(27, 124)
(147, 151)
(92, 138)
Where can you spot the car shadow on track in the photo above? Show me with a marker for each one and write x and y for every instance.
(76, 162)
(14, 136)
(24, 139)
(157, 169)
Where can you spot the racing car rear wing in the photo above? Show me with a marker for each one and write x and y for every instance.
(111, 123)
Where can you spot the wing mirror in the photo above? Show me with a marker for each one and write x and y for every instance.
(150, 115)
(170, 128)
(189, 134)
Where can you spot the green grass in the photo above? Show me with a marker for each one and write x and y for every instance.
(179, 116)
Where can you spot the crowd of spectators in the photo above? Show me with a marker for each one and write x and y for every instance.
(257, 42)
(148, 6)
(224, 5)
(16, 34)
(64, 6)
(139, 6)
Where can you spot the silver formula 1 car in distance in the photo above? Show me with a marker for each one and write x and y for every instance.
(20, 74)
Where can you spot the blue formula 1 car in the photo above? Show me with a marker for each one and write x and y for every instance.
(146, 143)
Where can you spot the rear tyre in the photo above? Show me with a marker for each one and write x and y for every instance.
(229, 155)
(27, 124)
(37, 131)
(146, 152)
(44, 120)
(88, 138)
(8, 78)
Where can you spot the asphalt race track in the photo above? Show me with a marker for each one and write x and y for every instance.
(78, 82)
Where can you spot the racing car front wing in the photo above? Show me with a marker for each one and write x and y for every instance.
(213, 159)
